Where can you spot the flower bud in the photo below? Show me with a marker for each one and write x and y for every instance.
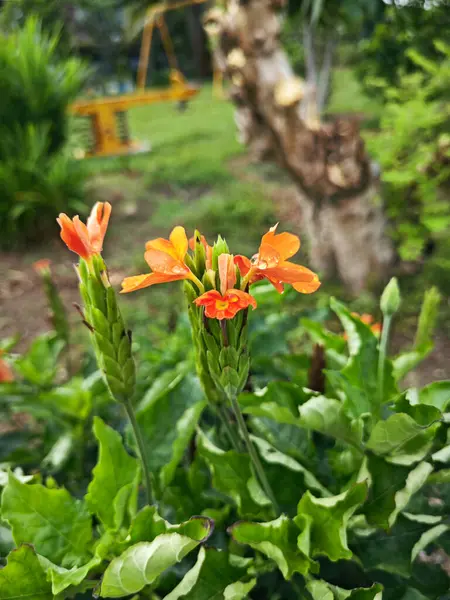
(390, 298)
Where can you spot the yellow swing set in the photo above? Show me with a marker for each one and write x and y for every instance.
(108, 117)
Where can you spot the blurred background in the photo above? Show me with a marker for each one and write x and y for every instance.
(144, 106)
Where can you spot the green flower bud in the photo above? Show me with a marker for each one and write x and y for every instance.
(390, 298)
(220, 247)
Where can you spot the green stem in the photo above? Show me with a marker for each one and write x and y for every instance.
(382, 355)
(233, 437)
(141, 448)
(259, 469)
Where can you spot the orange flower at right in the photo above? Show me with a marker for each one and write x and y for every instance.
(271, 263)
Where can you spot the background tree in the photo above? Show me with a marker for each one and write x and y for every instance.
(337, 185)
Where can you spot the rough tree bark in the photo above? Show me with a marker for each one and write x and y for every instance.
(338, 189)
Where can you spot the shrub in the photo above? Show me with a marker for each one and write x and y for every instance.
(37, 176)
(413, 148)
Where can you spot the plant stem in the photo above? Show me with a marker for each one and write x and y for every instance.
(232, 435)
(382, 355)
(141, 448)
(259, 469)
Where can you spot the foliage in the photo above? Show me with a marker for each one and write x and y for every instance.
(36, 174)
(385, 56)
(360, 477)
(413, 148)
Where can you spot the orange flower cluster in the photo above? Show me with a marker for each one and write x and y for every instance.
(168, 261)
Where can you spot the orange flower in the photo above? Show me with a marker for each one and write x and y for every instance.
(6, 375)
(206, 246)
(86, 240)
(218, 306)
(166, 258)
(271, 263)
(226, 303)
(42, 265)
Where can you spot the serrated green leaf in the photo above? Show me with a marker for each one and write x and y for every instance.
(272, 456)
(391, 551)
(401, 439)
(23, 577)
(148, 524)
(61, 578)
(232, 475)
(141, 564)
(277, 540)
(115, 469)
(321, 590)
(326, 520)
(58, 526)
(405, 362)
(436, 394)
(391, 488)
(212, 578)
(328, 417)
(168, 420)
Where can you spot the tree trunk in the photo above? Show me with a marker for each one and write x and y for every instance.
(338, 190)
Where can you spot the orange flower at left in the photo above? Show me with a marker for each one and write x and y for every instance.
(6, 375)
(86, 240)
(166, 259)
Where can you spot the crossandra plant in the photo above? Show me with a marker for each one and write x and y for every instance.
(326, 485)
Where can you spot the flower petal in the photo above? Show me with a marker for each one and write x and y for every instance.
(286, 244)
(243, 264)
(208, 298)
(227, 272)
(243, 299)
(70, 237)
(131, 284)
(161, 262)
(162, 245)
(97, 224)
(179, 241)
(287, 272)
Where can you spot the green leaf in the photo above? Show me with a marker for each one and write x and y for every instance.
(141, 564)
(278, 401)
(328, 417)
(323, 522)
(358, 380)
(321, 590)
(272, 456)
(394, 551)
(213, 577)
(62, 579)
(168, 418)
(23, 577)
(391, 488)
(436, 394)
(115, 470)
(58, 526)
(148, 524)
(232, 475)
(405, 362)
(401, 439)
(277, 540)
